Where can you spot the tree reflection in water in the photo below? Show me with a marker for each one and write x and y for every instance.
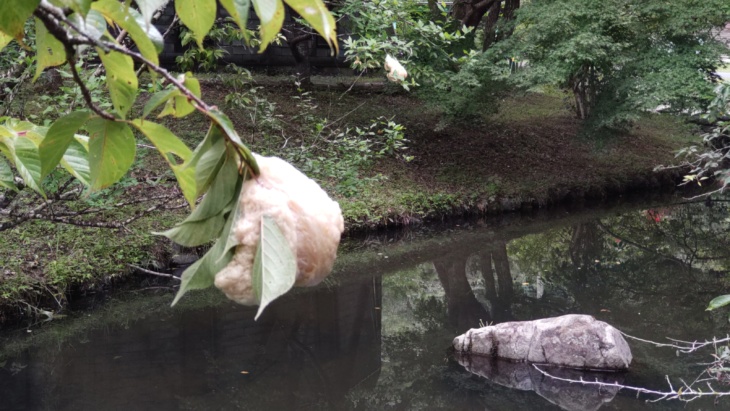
(377, 337)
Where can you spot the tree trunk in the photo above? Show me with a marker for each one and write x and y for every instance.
(578, 85)
(470, 12)
(299, 39)
(508, 15)
(495, 264)
(434, 9)
(490, 27)
(464, 310)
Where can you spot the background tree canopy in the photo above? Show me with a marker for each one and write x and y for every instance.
(620, 57)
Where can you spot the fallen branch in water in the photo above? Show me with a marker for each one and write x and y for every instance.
(685, 393)
(685, 347)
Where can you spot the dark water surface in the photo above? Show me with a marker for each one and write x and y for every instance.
(377, 334)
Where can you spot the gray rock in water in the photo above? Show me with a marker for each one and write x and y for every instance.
(576, 341)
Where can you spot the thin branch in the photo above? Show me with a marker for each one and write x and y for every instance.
(709, 193)
(684, 347)
(685, 393)
(639, 246)
(85, 91)
(150, 272)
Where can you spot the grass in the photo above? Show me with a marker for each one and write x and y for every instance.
(530, 151)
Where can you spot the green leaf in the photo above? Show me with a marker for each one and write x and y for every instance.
(220, 194)
(198, 16)
(147, 39)
(111, 151)
(51, 52)
(178, 104)
(202, 273)
(4, 40)
(232, 240)
(121, 80)
(206, 221)
(149, 7)
(316, 14)
(14, 14)
(210, 138)
(157, 100)
(168, 145)
(238, 9)
(58, 138)
(271, 14)
(718, 302)
(226, 126)
(183, 107)
(6, 176)
(76, 162)
(274, 266)
(79, 6)
(195, 233)
(210, 160)
(28, 162)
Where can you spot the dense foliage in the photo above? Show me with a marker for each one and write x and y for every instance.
(620, 57)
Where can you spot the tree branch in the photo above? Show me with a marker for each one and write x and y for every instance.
(685, 393)
(150, 272)
(84, 90)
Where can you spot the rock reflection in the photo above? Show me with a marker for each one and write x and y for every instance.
(522, 376)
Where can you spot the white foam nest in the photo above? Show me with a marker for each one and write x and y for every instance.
(309, 219)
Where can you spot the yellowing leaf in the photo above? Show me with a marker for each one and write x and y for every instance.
(4, 40)
(121, 80)
(271, 14)
(198, 16)
(238, 9)
(14, 14)
(179, 105)
(146, 37)
(157, 99)
(50, 51)
(316, 14)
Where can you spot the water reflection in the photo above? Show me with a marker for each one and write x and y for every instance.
(305, 351)
(378, 336)
(524, 377)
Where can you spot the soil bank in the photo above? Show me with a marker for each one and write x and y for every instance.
(532, 154)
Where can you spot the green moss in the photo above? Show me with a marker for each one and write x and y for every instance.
(42, 259)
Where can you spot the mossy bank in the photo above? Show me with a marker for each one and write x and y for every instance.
(386, 156)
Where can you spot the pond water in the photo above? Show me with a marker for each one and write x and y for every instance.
(377, 334)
